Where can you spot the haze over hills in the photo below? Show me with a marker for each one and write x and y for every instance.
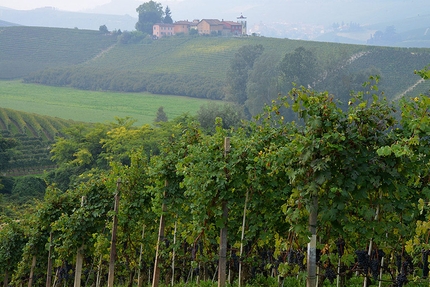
(294, 19)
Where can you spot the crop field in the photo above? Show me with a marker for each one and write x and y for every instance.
(92, 106)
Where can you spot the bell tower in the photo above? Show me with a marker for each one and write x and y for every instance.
(242, 20)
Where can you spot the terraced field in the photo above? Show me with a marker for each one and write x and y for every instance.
(35, 134)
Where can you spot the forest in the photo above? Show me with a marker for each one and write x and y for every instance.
(310, 191)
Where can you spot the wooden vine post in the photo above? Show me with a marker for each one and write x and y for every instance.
(222, 264)
(312, 245)
(139, 274)
(79, 259)
(49, 271)
(6, 278)
(113, 240)
(174, 253)
(156, 276)
(33, 265)
(242, 238)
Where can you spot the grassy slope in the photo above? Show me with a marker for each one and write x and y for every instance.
(91, 106)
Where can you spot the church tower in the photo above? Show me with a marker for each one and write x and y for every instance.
(242, 20)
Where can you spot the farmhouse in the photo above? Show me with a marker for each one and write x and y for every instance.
(160, 30)
(203, 27)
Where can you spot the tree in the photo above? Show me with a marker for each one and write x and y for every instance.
(231, 116)
(161, 115)
(262, 83)
(103, 29)
(299, 67)
(149, 13)
(168, 17)
(240, 66)
(6, 146)
(27, 188)
(12, 242)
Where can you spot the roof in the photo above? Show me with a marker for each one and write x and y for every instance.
(231, 23)
(164, 25)
(183, 23)
(212, 21)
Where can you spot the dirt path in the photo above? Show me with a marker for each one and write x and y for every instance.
(103, 52)
(410, 89)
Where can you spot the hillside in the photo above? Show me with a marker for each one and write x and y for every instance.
(191, 66)
(25, 50)
(6, 24)
(35, 134)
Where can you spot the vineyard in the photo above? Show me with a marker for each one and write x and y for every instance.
(337, 198)
(35, 134)
(148, 67)
(26, 50)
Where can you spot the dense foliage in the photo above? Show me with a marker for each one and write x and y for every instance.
(150, 12)
(357, 175)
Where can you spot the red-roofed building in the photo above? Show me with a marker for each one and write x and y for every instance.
(232, 28)
(210, 27)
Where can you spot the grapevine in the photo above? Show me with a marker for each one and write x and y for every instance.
(401, 280)
(330, 274)
(340, 244)
(425, 255)
(363, 260)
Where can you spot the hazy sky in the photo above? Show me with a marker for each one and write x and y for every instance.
(317, 11)
(72, 5)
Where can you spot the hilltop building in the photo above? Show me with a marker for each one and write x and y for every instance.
(242, 21)
(203, 27)
(161, 30)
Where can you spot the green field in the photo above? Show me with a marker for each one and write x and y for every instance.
(92, 106)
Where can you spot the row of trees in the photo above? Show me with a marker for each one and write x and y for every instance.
(255, 78)
(254, 195)
(191, 85)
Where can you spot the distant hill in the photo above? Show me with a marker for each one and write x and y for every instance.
(51, 17)
(304, 20)
(409, 32)
(25, 50)
(7, 24)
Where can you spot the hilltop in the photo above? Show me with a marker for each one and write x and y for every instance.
(305, 20)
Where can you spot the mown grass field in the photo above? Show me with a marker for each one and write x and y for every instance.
(92, 106)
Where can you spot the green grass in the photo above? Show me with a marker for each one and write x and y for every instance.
(92, 106)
